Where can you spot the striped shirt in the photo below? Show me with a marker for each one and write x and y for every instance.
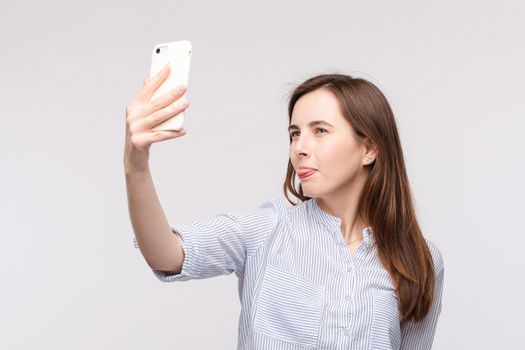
(300, 286)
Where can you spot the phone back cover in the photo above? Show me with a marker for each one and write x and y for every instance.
(178, 54)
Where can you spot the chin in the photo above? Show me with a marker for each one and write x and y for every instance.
(308, 191)
(316, 191)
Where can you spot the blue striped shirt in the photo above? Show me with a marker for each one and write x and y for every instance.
(300, 286)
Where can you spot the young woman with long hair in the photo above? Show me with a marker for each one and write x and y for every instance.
(345, 266)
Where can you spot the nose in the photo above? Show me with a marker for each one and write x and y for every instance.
(301, 146)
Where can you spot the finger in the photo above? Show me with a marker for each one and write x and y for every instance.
(153, 84)
(145, 139)
(142, 109)
(164, 114)
(176, 94)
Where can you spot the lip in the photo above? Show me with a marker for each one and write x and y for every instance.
(304, 169)
(306, 173)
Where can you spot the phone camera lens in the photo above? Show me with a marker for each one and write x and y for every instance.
(158, 50)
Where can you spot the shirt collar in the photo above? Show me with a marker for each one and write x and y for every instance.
(333, 223)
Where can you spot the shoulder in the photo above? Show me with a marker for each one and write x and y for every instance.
(264, 218)
(275, 207)
(437, 257)
(276, 203)
(269, 210)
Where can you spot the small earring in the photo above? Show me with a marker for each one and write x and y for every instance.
(369, 159)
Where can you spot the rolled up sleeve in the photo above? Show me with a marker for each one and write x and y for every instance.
(220, 244)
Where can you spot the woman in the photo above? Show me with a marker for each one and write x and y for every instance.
(345, 267)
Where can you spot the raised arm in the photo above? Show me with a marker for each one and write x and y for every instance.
(160, 247)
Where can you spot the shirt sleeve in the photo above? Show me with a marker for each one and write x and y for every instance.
(219, 245)
(420, 335)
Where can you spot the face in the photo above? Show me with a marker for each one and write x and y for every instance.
(322, 139)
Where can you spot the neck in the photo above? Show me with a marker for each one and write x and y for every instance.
(344, 205)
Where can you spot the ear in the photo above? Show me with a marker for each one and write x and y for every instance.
(370, 153)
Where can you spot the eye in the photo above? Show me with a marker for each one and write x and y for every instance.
(324, 131)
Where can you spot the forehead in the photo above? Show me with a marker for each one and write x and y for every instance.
(319, 104)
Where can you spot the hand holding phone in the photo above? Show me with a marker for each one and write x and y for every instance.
(144, 113)
(178, 55)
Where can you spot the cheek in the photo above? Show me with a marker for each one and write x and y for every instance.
(335, 152)
(339, 158)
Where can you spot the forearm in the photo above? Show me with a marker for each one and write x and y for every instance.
(159, 246)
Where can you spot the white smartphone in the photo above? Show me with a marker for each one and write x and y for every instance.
(178, 54)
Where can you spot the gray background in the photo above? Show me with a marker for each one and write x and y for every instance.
(453, 72)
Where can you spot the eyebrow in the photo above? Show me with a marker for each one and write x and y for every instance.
(311, 124)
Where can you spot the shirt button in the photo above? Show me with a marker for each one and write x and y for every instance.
(345, 332)
(347, 297)
(349, 268)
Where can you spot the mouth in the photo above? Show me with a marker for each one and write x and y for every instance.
(306, 174)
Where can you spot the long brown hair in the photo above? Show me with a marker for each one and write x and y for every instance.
(386, 201)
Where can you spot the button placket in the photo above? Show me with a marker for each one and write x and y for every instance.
(347, 296)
